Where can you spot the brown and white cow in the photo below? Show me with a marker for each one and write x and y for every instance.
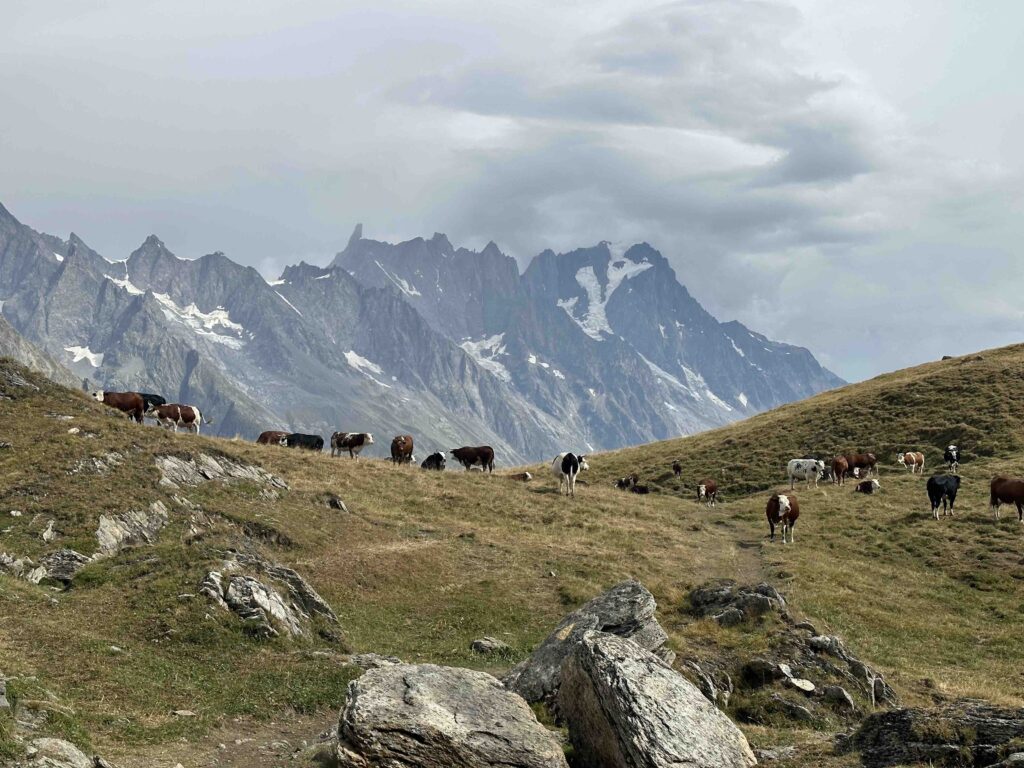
(174, 415)
(1007, 490)
(912, 460)
(707, 491)
(272, 437)
(353, 442)
(468, 456)
(784, 509)
(865, 462)
(522, 477)
(840, 468)
(131, 404)
(401, 449)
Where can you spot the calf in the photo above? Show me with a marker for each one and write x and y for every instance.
(522, 477)
(952, 458)
(707, 491)
(867, 486)
(805, 469)
(1007, 490)
(272, 437)
(566, 466)
(174, 415)
(468, 456)
(677, 468)
(434, 461)
(912, 460)
(353, 442)
(942, 490)
(131, 404)
(304, 442)
(401, 449)
(785, 510)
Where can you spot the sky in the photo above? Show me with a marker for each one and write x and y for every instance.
(844, 176)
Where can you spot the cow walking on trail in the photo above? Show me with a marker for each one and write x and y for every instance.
(942, 490)
(952, 458)
(401, 449)
(174, 415)
(707, 491)
(912, 460)
(566, 466)
(784, 510)
(805, 469)
(353, 442)
(468, 456)
(1007, 490)
(272, 437)
(304, 442)
(131, 404)
(434, 461)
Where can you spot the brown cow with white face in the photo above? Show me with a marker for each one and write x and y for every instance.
(174, 415)
(784, 509)
(131, 404)
(912, 460)
(272, 437)
(707, 491)
(401, 449)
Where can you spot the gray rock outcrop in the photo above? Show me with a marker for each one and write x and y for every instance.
(177, 471)
(132, 528)
(490, 646)
(440, 717)
(63, 564)
(730, 604)
(57, 753)
(626, 609)
(626, 708)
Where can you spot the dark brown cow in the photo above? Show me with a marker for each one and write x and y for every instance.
(353, 442)
(177, 415)
(1007, 490)
(401, 449)
(840, 466)
(272, 437)
(784, 509)
(467, 456)
(865, 462)
(707, 491)
(677, 468)
(129, 403)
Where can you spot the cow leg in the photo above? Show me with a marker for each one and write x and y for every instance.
(771, 526)
(1020, 512)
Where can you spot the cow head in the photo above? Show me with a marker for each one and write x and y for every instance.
(283, 440)
(702, 491)
(820, 466)
(901, 459)
(98, 395)
(369, 439)
(784, 505)
(583, 462)
(875, 484)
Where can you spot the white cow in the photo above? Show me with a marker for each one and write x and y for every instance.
(566, 466)
(805, 469)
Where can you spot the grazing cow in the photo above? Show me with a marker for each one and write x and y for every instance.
(867, 486)
(865, 462)
(522, 477)
(805, 469)
(707, 491)
(353, 442)
(272, 437)
(434, 461)
(174, 415)
(151, 400)
(952, 458)
(912, 460)
(942, 489)
(840, 467)
(401, 449)
(785, 510)
(467, 456)
(677, 468)
(304, 442)
(130, 404)
(566, 466)
(1007, 490)
(627, 482)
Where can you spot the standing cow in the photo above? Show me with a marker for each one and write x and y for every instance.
(677, 468)
(840, 468)
(1007, 490)
(782, 509)
(131, 404)
(272, 437)
(805, 469)
(174, 415)
(912, 460)
(304, 442)
(353, 442)
(401, 449)
(707, 491)
(862, 464)
(942, 490)
(566, 466)
(952, 458)
(468, 456)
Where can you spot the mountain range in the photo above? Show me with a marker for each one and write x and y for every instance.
(593, 349)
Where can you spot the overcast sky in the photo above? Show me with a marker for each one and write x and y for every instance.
(842, 175)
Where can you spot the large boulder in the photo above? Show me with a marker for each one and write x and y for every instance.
(57, 753)
(440, 717)
(626, 708)
(132, 528)
(626, 609)
(964, 733)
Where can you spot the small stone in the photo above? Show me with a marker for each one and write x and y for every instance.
(775, 753)
(183, 713)
(15, 513)
(4, 703)
(489, 646)
(785, 669)
(806, 686)
(791, 709)
(806, 626)
(115, 649)
(333, 502)
(49, 534)
(74, 431)
(839, 697)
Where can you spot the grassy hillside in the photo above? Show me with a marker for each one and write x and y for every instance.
(422, 563)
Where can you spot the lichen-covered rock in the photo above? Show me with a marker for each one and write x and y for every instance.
(57, 753)
(177, 471)
(63, 564)
(626, 708)
(729, 604)
(490, 646)
(440, 717)
(626, 609)
(134, 527)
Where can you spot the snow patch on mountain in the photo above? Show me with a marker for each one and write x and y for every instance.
(400, 283)
(203, 323)
(58, 256)
(743, 399)
(289, 303)
(127, 284)
(84, 353)
(486, 353)
(594, 320)
(738, 350)
(365, 367)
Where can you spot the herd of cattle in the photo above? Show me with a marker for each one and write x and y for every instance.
(782, 509)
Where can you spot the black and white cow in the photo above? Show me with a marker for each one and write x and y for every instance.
(942, 489)
(805, 469)
(434, 461)
(952, 458)
(566, 466)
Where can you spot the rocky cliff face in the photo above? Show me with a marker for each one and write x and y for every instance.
(591, 349)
